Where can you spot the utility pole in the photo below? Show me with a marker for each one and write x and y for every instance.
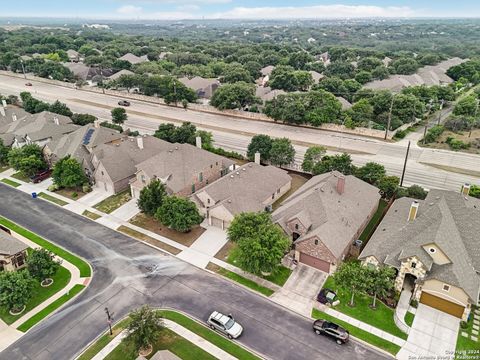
(440, 112)
(389, 118)
(109, 320)
(474, 118)
(429, 106)
(405, 164)
(175, 91)
(23, 69)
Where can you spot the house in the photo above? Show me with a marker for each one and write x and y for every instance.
(37, 129)
(88, 73)
(120, 73)
(249, 188)
(10, 113)
(13, 252)
(325, 216)
(323, 58)
(267, 70)
(265, 93)
(345, 103)
(80, 144)
(134, 59)
(386, 61)
(73, 55)
(183, 168)
(161, 355)
(316, 76)
(164, 55)
(114, 164)
(204, 88)
(434, 246)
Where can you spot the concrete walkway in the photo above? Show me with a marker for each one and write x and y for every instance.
(180, 330)
(402, 308)
(126, 211)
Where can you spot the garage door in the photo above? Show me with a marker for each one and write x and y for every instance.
(442, 304)
(314, 262)
(216, 222)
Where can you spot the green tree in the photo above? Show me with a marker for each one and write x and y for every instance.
(466, 106)
(312, 157)
(380, 282)
(474, 191)
(404, 65)
(119, 115)
(185, 133)
(282, 152)
(341, 163)
(178, 213)
(27, 159)
(60, 108)
(351, 275)
(417, 192)
(246, 225)
(83, 119)
(234, 73)
(166, 132)
(388, 185)
(151, 197)
(361, 113)
(41, 264)
(144, 328)
(4, 150)
(262, 144)
(234, 96)
(15, 289)
(68, 173)
(371, 172)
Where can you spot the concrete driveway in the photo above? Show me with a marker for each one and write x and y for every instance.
(300, 290)
(433, 333)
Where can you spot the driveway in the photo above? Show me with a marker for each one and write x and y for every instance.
(300, 290)
(128, 274)
(433, 333)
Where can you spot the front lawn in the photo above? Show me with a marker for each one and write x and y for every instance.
(35, 319)
(148, 239)
(374, 221)
(20, 176)
(466, 344)
(381, 317)
(359, 333)
(91, 215)
(85, 270)
(113, 202)
(10, 182)
(240, 279)
(39, 294)
(52, 199)
(149, 223)
(71, 193)
(409, 318)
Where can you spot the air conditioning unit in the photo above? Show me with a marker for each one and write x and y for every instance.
(268, 208)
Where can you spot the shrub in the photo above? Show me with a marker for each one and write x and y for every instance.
(414, 303)
(400, 134)
(463, 324)
(53, 187)
(111, 126)
(434, 133)
(458, 145)
(86, 188)
(74, 195)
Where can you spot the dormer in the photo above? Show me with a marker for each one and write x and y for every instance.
(436, 254)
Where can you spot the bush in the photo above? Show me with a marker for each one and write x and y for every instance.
(400, 134)
(434, 133)
(463, 324)
(74, 195)
(414, 303)
(53, 187)
(86, 188)
(458, 145)
(111, 126)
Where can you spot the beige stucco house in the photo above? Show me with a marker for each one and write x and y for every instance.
(249, 188)
(325, 216)
(13, 252)
(435, 247)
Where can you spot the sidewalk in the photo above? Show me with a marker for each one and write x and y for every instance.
(180, 330)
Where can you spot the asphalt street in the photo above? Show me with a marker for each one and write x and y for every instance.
(128, 274)
(233, 133)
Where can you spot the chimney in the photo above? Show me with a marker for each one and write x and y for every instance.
(4, 103)
(96, 124)
(465, 189)
(140, 142)
(412, 214)
(198, 142)
(14, 117)
(341, 184)
(2, 111)
(257, 158)
(55, 120)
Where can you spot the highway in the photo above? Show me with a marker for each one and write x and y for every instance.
(425, 167)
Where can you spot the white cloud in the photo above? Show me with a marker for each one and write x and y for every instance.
(188, 8)
(312, 12)
(130, 10)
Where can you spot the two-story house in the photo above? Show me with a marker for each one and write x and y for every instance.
(13, 252)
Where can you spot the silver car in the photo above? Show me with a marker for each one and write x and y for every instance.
(225, 324)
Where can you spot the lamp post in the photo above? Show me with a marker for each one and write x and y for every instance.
(405, 164)
(429, 107)
(23, 69)
(389, 117)
(109, 320)
(440, 112)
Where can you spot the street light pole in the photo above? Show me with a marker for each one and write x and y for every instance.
(405, 164)
(389, 118)
(23, 69)
(109, 320)
(440, 112)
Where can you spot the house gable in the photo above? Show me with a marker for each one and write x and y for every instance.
(436, 254)
(313, 246)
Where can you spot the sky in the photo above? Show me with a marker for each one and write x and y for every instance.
(238, 9)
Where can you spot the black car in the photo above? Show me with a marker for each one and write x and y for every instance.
(327, 328)
(124, 103)
(326, 296)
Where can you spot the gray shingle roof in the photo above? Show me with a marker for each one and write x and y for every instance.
(334, 217)
(134, 59)
(445, 218)
(9, 113)
(9, 245)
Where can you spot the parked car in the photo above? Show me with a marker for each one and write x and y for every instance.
(39, 177)
(28, 84)
(326, 296)
(226, 324)
(327, 328)
(124, 103)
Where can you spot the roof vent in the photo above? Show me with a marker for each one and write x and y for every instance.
(231, 176)
(238, 172)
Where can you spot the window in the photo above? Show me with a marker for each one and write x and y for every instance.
(296, 226)
(193, 188)
(446, 287)
(102, 173)
(414, 265)
(211, 166)
(316, 241)
(200, 177)
(216, 164)
(143, 178)
(273, 196)
(206, 182)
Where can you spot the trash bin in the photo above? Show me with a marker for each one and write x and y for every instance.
(34, 195)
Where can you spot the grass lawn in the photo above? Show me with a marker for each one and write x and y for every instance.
(240, 279)
(409, 318)
(466, 343)
(140, 236)
(168, 340)
(69, 193)
(381, 317)
(39, 294)
(374, 221)
(91, 215)
(20, 176)
(149, 223)
(35, 319)
(359, 333)
(85, 270)
(104, 340)
(114, 202)
(52, 199)
(279, 277)
(297, 181)
(10, 182)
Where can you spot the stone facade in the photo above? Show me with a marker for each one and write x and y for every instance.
(415, 267)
